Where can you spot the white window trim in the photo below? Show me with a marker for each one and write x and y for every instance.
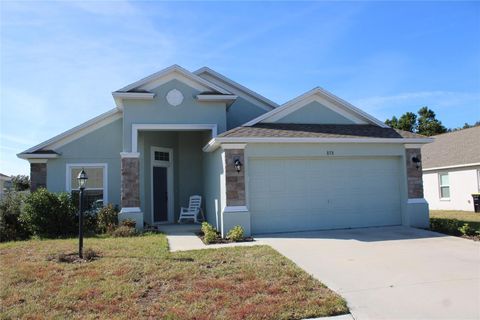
(103, 166)
(440, 186)
(170, 182)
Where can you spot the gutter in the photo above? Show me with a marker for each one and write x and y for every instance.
(214, 143)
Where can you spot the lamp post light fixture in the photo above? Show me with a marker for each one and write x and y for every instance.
(238, 165)
(82, 182)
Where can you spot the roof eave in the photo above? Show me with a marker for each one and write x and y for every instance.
(214, 143)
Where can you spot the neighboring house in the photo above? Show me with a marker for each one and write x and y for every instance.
(315, 162)
(451, 170)
(5, 184)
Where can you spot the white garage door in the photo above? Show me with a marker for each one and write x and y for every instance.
(313, 194)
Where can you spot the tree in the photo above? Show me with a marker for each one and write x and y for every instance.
(408, 122)
(20, 182)
(392, 122)
(428, 125)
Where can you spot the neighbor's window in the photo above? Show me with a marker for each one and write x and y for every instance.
(444, 186)
(95, 193)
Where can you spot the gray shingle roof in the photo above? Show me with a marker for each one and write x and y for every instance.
(293, 130)
(453, 148)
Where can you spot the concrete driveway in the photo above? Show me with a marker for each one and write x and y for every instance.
(391, 272)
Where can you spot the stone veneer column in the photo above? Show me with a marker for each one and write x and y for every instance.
(130, 188)
(130, 191)
(38, 175)
(414, 174)
(235, 181)
(235, 212)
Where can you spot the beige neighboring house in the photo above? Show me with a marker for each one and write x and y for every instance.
(5, 182)
(451, 170)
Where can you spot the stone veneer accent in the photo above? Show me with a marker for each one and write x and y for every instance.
(235, 180)
(414, 175)
(38, 176)
(130, 192)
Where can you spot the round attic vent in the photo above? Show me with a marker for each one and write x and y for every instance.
(174, 97)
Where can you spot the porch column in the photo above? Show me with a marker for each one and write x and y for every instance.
(417, 206)
(236, 211)
(130, 188)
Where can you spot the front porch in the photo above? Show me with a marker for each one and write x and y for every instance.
(159, 178)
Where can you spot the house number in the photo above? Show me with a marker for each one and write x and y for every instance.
(329, 153)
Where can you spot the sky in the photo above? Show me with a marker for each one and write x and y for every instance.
(60, 61)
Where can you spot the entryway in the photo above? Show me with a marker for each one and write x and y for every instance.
(162, 184)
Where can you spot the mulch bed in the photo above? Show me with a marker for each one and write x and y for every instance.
(223, 240)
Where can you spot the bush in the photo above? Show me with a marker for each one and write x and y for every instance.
(47, 214)
(107, 219)
(11, 227)
(235, 234)
(129, 223)
(210, 234)
(466, 230)
(447, 226)
(124, 231)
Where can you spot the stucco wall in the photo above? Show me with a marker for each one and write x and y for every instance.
(214, 186)
(242, 111)
(159, 111)
(463, 182)
(100, 146)
(315, 112)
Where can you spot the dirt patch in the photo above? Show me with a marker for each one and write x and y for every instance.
(72, 257)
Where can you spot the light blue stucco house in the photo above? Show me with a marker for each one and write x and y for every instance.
(315, 162)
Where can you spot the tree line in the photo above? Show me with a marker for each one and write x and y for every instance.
(424, 123)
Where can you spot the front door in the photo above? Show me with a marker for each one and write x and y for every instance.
(160, 194)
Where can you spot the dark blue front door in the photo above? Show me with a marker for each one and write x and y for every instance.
(160, 194)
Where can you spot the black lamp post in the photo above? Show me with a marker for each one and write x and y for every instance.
(82, 182)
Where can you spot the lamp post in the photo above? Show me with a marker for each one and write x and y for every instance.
(82, 182)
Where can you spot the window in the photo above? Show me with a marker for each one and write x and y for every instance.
(162, 156)
(444, 186)
(96, 189)
(478, 180)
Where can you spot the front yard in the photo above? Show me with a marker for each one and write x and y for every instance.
(138, 278)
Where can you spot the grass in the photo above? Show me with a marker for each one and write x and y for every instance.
(138, 278)
(472, 218)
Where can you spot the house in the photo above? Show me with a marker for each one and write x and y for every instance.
(5, 184)
(451, 170)
(315, 162)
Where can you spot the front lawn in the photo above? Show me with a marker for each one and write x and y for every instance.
(138, 278)
(449, 221)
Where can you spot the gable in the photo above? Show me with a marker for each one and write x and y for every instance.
(339, 111)
(252, 97)
(313, 113)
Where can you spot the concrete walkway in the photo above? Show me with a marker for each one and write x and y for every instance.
(391, 273)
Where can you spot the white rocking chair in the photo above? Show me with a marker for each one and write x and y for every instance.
(193, 210)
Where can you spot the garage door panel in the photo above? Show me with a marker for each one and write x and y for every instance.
(311, 194)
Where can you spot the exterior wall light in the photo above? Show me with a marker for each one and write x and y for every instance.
(417, 161)
(82, 183)
(238, 165)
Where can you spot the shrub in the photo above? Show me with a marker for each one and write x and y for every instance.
(90, 222)
(466, 230)
(447, 226)
(11, 227)
(20, 182)
(209, 233)
(124, 231)
(47, 214)
(107, 219)
(129, 223)
(235, 234)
